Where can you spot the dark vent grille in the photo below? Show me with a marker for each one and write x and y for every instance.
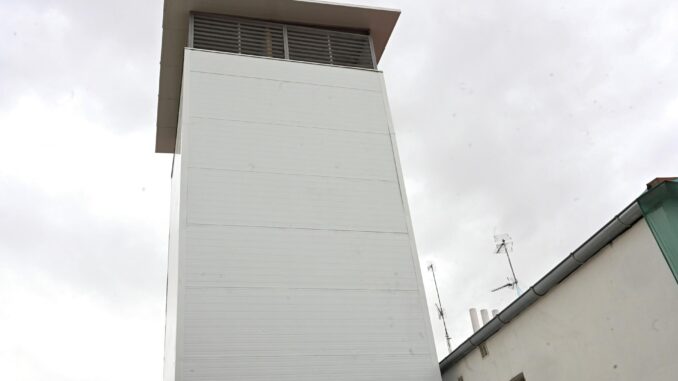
(224, 34)
(259, 38)
(329, 47)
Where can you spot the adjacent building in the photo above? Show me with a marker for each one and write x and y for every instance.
(608, 311)
(291, 251)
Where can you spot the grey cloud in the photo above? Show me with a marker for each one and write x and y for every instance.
(119, 261)
(538, 119)
(106, 53)
(541, 119)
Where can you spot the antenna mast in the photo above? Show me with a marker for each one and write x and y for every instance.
(441, 311)
(505, 243)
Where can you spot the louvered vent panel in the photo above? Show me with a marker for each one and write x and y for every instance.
(329, 47)
(225, 34)
(260, 38)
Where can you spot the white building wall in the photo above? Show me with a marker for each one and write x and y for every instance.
(171, 308)
(613, 319)
(297, 259)
(177, 231)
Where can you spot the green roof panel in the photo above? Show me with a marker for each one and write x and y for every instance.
(660, 208)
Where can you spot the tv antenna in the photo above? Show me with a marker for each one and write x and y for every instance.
(439, 307)
(503, 242)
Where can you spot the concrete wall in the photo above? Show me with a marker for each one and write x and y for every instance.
(297, 259)
(613, 319)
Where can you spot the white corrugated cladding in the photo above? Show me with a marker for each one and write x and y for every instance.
(297, 259)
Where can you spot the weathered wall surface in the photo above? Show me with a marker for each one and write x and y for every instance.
(613, 319)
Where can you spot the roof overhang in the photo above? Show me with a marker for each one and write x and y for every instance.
(378, 21)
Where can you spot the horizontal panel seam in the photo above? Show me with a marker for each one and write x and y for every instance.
(334, 67)
(288, 125)
(378, 91)
(200, 287)
(188, 224)
(365, 179)
(397, 355)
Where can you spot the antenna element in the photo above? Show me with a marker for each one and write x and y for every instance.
(504, 243)
(441, 311)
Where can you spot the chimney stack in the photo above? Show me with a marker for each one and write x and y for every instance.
(485, 316)
(474, 319)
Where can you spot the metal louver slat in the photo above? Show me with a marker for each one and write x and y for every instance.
(298, 43)
(225, 34)
(330, 47)
(333, 49)
(334, 44)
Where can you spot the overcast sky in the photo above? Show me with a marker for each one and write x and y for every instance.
(538, 119)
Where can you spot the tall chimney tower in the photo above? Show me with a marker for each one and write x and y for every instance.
(291, 253)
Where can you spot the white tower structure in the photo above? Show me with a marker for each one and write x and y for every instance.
(291, 253)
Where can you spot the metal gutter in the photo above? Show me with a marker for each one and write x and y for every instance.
(613, 229)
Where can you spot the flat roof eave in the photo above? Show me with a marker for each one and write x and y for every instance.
(380, 22)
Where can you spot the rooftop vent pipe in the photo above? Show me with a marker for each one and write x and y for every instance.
(485, 316)
(474, 319)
